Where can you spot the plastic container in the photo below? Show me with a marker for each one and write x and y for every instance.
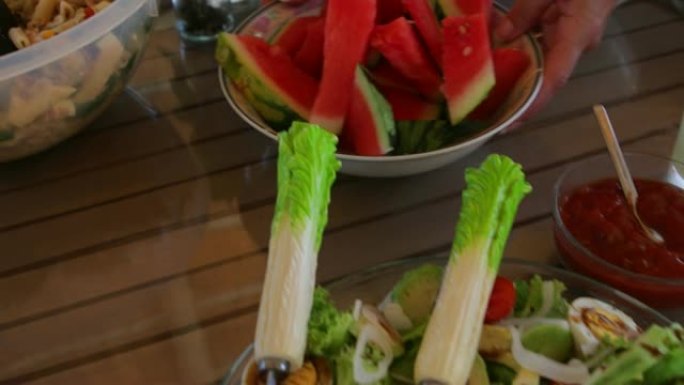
(53, 89)
(372, 285)
(655, 291)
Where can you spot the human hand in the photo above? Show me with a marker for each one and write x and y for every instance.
(569, 27)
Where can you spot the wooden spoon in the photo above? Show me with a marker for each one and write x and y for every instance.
(624, 175)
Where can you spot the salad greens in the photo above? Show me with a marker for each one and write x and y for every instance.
(329, 329)
(531, 298)
(653, 357)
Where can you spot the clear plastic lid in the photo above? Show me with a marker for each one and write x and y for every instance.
(74, 39)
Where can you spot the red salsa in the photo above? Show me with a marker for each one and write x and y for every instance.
(597, 215)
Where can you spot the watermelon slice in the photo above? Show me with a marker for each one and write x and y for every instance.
(278, 90)
(465, 7)
(399, 44)
(467, 64)
(509, 65)
(291, 36)
(383, 74)
(309, 57)
(426, 21)
(388, 10)
(409, 106)
(369, 125)
(348, 24)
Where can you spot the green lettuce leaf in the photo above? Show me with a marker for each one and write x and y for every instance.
(306, 169)
(329, 329)
(490, 203)
(529, 298)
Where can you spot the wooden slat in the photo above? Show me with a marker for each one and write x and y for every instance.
(124, 144)
(641, 44)
(639, 14)
(633, 47)
(164, 68)
(579, 93)
(373, 242)
(615, 85)
(146, 102)
(222, 239)
(147, 214)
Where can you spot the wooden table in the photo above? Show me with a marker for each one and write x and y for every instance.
(134, 253)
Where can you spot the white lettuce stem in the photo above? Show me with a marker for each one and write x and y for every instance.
(453, 332)
(287, 295)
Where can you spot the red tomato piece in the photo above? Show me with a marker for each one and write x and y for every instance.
(502, 300)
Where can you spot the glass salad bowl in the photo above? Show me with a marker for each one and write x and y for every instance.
(53, 89)
(373, 284)
(270, 19)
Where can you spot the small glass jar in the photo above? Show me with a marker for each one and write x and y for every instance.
(199, 21)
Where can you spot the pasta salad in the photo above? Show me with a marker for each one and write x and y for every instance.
(42, 19)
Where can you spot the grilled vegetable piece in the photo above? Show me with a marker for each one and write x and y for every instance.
(489, 204)
(306, 171)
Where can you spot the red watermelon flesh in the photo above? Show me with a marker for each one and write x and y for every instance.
(268, 78)
(467, 64)
(409, 106)
(426, 21)
(385, 75)
(348, 24)
(399, 44)
(509, 65)
(369, 126)
(309, 57)
(291, 37)
(389, 10)
(465, 7)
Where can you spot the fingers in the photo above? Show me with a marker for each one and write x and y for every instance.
(523, 16)
(559, 63)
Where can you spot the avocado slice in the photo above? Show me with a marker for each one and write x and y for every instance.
(478, 374)
(552, 341)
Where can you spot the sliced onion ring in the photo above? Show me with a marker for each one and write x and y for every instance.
(370, 333)
(575, 372)
(547, 299)
(525, 323)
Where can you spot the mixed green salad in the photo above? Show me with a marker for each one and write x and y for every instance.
(532, 335)
(461, 324)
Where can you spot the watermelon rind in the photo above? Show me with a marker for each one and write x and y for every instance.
(460, 106)
(275, 107)
(380, 109)
(369, 126)
(418, 136)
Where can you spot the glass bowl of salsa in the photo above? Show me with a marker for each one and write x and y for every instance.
(597, 235)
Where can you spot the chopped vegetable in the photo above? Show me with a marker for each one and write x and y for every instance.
(550, 340)
(501, 301)
(499, 373)
(416, 292)
(490, 201)
(306, 171)
(669, 369)
(344, 367)
(329, 329)
(539, 298)
(629, 367)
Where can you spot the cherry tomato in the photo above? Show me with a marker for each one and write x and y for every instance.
(89, 12)
(502, 300)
